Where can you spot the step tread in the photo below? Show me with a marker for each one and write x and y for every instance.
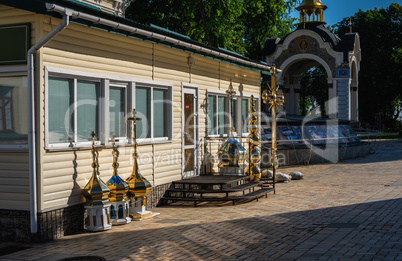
(212, 180)
(241, 187)
(251, 195)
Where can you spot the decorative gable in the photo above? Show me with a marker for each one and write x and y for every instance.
(117, 7)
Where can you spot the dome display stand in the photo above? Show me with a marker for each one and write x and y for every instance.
(96, 193)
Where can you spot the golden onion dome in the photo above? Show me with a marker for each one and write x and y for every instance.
(311, 3)
(95, 191)
(138, 185)
(118, 189)
(117, 186)
(311, 11)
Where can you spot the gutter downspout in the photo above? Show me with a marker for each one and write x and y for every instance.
(31, 131)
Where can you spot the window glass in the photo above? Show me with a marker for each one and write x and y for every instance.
(222, 115)
(87, 109)
(159, 111)
(234, 114)
(244, 115)
(13, 110)
(211, 115)
(117, 111)
(143, 109)
(60, 117)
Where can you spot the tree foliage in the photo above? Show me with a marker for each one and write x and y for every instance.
(380, 85)
(314, 92)
(240, 26)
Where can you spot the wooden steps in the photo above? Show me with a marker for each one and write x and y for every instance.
(216, 188)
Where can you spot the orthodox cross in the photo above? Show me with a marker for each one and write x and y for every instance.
(115, 151)
(94, 151)
(350, 24)
(274, 100)
(231, 92)
(134, 119)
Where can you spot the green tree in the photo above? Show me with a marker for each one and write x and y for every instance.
(314, 91)
(380, 85)
(240, 26)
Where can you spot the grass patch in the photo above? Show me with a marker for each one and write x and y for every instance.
(385, 136)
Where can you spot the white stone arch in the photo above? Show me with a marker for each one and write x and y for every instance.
(342, 69)
(322, 44)
(300, 57)
(291, 87)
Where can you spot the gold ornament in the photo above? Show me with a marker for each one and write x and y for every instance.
(95, 192)
(274, 100)
(254, 140)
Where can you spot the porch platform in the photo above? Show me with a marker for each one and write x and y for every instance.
(217, 188)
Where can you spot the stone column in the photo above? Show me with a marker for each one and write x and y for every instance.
(332, 99)
(343, 95)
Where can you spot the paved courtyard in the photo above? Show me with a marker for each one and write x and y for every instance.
(345, 211)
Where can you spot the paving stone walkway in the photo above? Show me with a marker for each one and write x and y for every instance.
(345, 211)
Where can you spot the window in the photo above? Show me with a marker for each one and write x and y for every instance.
(79, 103)
(73, 110)
(13, 110)
(153, 107)
(117, 111)
(218, 114)
(245, 114)
(6, 111)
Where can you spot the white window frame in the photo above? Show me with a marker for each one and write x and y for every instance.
(120, 140)
(74, 143)
(169, 120)
(106, 81)
(238, 98)
(217, 94)
(10, 71)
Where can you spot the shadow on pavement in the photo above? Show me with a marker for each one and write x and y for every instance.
(360, 231)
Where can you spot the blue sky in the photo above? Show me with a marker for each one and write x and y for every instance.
(339, 9)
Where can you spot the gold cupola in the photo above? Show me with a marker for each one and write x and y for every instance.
(95, 192)
(139, 186)
(311, 11)
(120, 203)
(118, 187)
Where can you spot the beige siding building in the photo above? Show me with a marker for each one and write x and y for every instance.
(88, 77)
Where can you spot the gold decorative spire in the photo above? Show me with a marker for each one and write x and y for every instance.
(311, 11)
(95, 192)
(275, 99)
(139, 186)
(231, 92)
(254, 140)
(118, 187)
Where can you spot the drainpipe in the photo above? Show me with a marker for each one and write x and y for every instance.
(31, 131)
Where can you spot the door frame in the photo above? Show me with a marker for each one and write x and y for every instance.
(193, 88)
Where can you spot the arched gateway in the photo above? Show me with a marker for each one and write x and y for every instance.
(312, 44)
